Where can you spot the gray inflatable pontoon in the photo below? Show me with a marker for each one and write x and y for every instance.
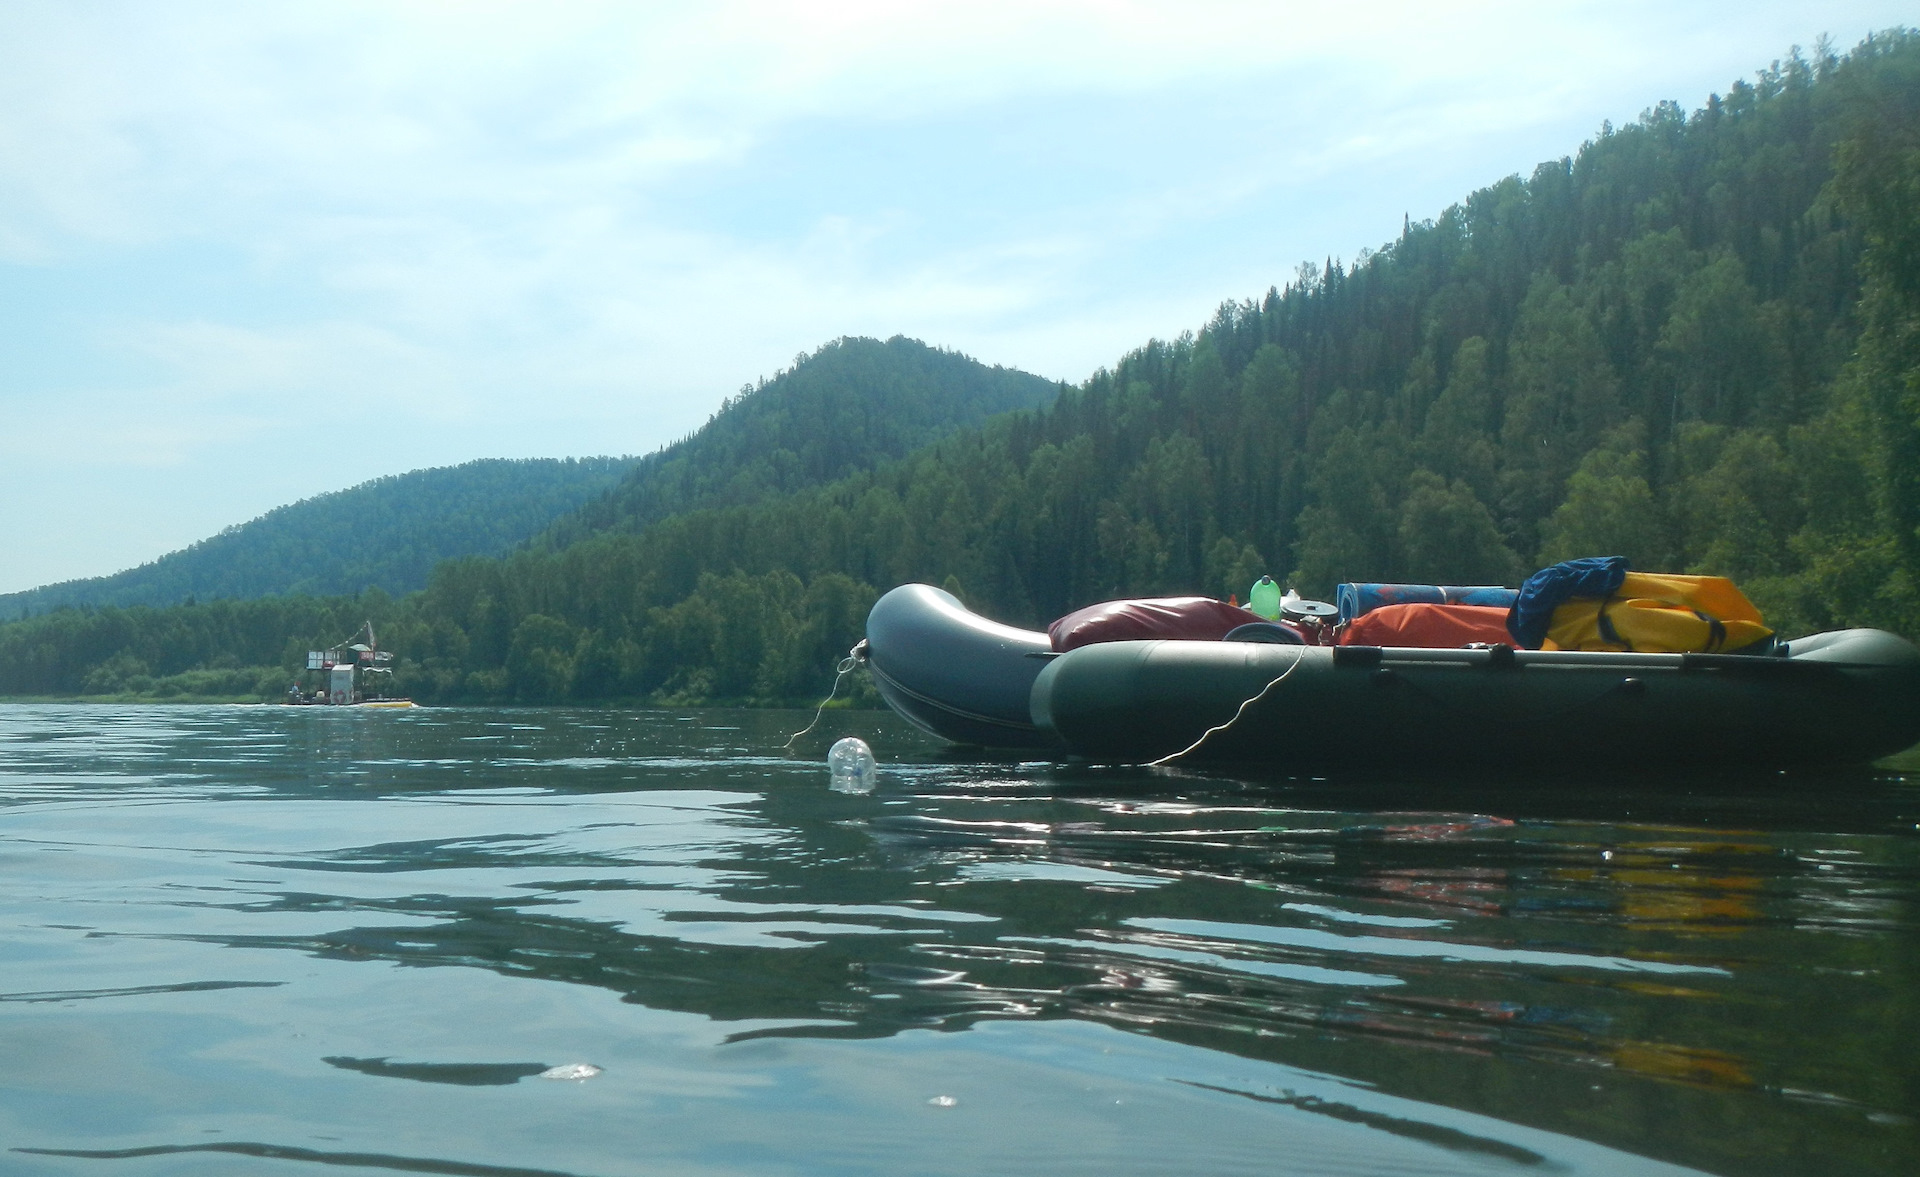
(954, 673)
(1845, 697)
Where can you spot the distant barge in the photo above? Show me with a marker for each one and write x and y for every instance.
(354, 673)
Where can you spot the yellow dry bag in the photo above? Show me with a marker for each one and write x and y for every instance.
(1658, 612)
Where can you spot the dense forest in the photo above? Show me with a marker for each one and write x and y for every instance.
(1696, 342)
(387, 534)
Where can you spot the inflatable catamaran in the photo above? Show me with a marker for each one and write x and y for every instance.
(1848, 696)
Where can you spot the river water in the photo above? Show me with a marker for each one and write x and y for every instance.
(265, 940)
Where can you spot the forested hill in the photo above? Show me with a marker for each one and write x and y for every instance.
(847, 407)
(1695, 342)
(387, 533)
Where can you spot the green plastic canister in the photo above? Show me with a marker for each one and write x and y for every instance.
(1264, 598)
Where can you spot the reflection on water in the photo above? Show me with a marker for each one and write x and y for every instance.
(246, 933)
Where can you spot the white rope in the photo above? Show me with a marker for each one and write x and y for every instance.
(846, 667)
(1242, 710)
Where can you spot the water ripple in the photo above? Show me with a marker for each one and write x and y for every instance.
(1709, 971)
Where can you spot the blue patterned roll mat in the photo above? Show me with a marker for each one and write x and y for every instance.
(1357, 599)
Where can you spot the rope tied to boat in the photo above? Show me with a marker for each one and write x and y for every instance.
(854, 659)
(1299, 656)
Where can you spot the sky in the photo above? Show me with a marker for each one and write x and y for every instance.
(254, 253)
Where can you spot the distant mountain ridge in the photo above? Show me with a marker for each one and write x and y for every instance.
(852, 404)
(387, 533)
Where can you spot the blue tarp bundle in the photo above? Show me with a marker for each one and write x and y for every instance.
(1357, 599)
(1550, 588)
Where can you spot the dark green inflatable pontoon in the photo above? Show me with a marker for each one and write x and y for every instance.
(1834, 698)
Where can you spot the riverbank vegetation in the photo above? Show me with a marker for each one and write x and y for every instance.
(1695, 342)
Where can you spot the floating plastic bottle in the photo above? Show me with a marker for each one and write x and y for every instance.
(1263, 598)
(851, 767)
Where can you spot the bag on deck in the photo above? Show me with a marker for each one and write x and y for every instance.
(1434, 627)
(1595, 603)
(1194, 618)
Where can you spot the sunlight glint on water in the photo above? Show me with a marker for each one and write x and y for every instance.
(240, 936)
